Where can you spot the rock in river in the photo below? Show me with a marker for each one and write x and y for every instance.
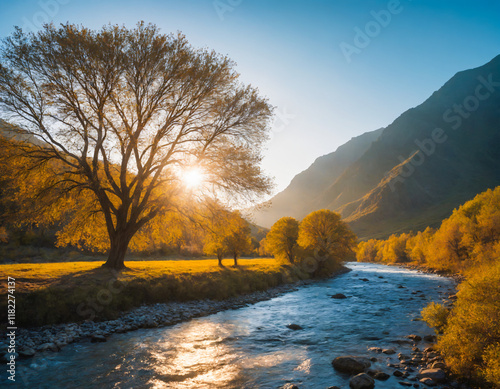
(381, 376)
(437, 375)
(351, 364)
(339, 296)
(294, 327)
(415, 338)
(362, 381)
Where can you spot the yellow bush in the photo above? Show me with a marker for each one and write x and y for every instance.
(470, 340)
(491, 372)
(435, 315)
(367, 251)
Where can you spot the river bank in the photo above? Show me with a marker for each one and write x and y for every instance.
(255, 345)
(429, 270)
(52, 338)
(423, 366)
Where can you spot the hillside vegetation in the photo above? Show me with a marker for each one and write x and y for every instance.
(468, 242)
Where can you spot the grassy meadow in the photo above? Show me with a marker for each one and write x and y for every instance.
(49, 293)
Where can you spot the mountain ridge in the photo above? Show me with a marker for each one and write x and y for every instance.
(429, 160)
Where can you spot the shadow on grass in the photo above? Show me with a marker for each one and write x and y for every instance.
(97, 276)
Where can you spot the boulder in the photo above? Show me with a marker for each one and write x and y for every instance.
(415, 338)
(364, 279)
(438, 365)
(362, 381)
(294, 327)
(388, 351)
(290, 386)
(339, 296)
(437, 375)
(351, 364)
(428, 381)
(381, 376)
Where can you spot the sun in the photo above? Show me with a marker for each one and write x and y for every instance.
(193, 177)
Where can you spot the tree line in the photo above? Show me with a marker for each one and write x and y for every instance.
(468, 242)
(319, 243)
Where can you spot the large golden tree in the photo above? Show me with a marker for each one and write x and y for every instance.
(125, 113)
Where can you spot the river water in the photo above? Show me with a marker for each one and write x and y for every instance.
(252, 347)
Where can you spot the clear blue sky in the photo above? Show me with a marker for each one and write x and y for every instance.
(293, 52)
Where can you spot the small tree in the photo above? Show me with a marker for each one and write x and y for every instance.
(238, 239)
(218, 228)
(327, 237)
(124, 112)
(281, 240)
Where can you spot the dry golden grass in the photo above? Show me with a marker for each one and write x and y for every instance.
(56, 291)
(34, 276)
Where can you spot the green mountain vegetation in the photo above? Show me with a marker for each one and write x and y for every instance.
(430, 160)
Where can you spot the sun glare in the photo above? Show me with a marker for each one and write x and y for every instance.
(193, 177)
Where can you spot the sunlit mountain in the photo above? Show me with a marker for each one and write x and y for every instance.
(413, 173)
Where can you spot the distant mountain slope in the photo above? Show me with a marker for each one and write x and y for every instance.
(427, 162)
(297, 198)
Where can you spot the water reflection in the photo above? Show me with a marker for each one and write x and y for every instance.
(204, 354)
(199, 357)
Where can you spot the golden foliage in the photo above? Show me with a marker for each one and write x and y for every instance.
(435, 315)
(467, 242)
(470, 340)
(227, 233)
(468, 238)
(118, 114)
(326, 240)
(237, 239)
(281, 240)
(491, 358)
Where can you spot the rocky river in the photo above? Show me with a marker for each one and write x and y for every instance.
(286, 337)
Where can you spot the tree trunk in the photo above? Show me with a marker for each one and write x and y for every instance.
(235, 260)
(117, 251)
(219, 257)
